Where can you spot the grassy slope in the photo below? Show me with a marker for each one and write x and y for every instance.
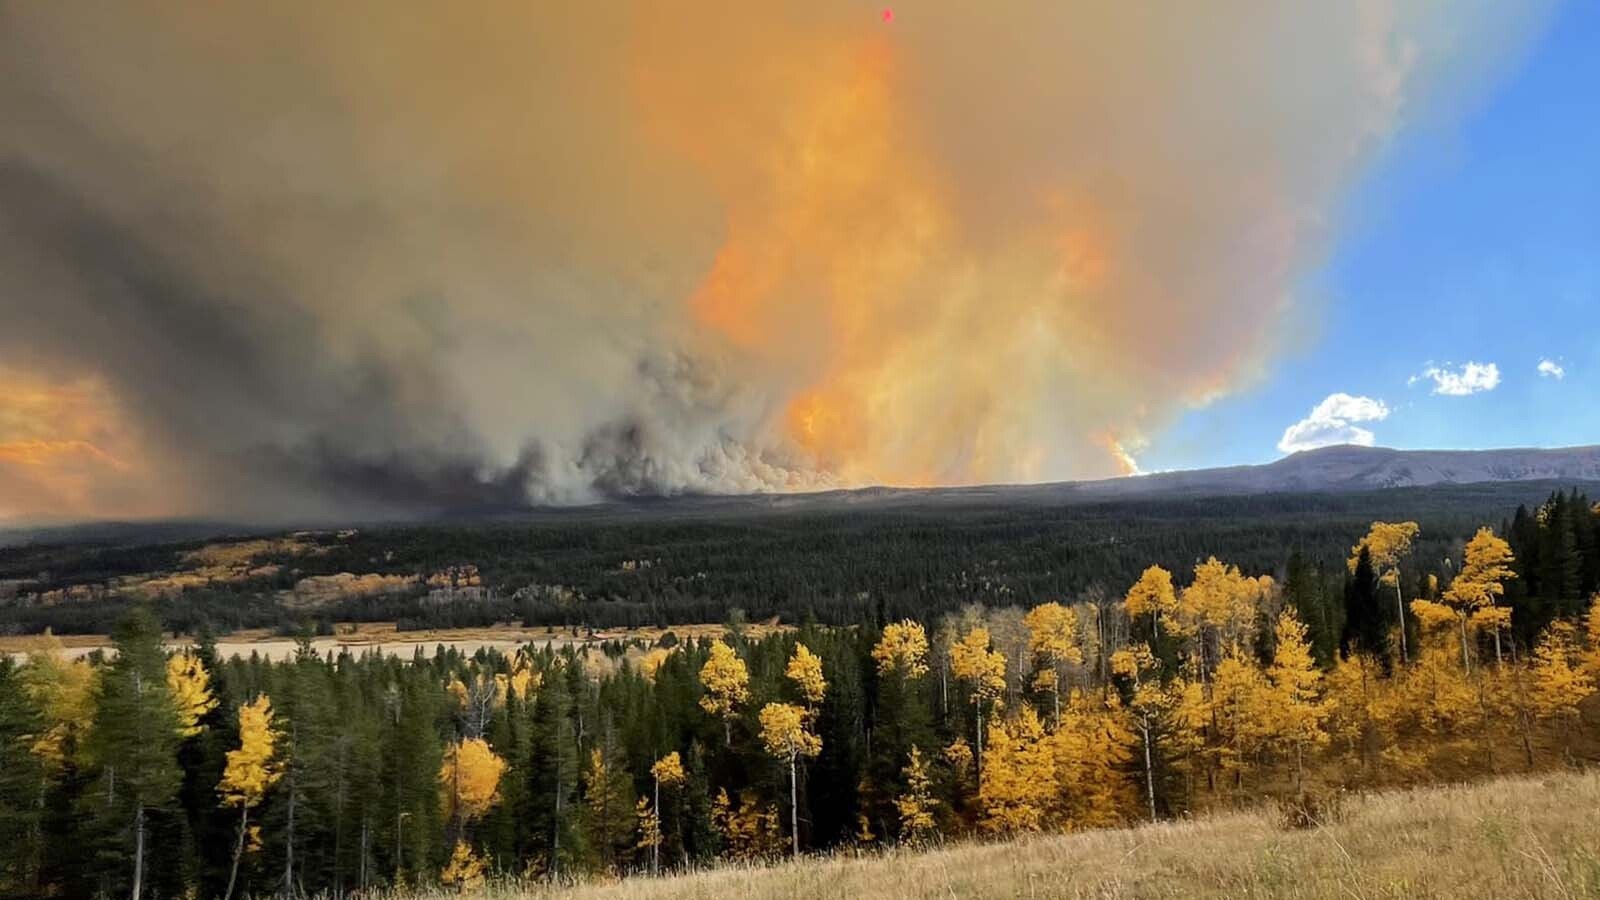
(1516, 837)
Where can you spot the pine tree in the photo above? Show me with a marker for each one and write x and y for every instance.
(134, 740)
(22, 786)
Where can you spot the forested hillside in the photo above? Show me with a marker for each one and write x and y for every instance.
(693, 561)
(1173, 691)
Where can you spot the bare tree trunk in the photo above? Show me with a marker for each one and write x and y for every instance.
(1400, 606)
(288, 852)
(655, 846)
(1149, 770)
(238, 850)
(138, 852)
(1466, 666)
(366, 831)
(794, 808)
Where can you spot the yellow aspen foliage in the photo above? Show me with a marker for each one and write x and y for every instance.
(63, 691)
(651, 661)
(1387, 543)
(1093, 748)
(1297, 690)
(1559, 685)
(805, 670)
(784, 734)
(1053, 633)
(727, 683)
(983, 670)
(189, 685)
(1053, 637)
(1152, 595)
(252, 769)
(1354, 690)
(465, 870)
(1188, 723)
(1243, 711)
(1431, 703)
(1149, 703)
(1220, 599)
(903, 649)
(469, 779)
(1592, 626)
(916, 804)
(864, 834)
(1017, 783)
(649, 825)
(1485, 568)
(749, 832)
(669, 769)
(958, 755)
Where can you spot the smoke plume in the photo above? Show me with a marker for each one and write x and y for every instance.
(378, 257)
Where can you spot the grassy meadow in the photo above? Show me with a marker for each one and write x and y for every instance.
(1523, 837)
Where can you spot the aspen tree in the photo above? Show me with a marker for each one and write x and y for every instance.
(1387, 543)
(784, 734)
(727, 683)
(1138, 665)
(805, 670)
(1152, 595)
(916, 805)
(1485, 568)
(984, 672)
(902, 650)
(1053, 637)
(1296, 685)
(668, 770)
(63, 690)
(1560, 686)
(190, 686)
(250, 772)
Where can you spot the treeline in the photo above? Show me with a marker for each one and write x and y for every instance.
(834, 566)
(152, 774)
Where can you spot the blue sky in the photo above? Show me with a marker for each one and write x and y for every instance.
(1470, 240)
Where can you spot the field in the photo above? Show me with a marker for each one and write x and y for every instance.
(1530, 837)
(382, 637)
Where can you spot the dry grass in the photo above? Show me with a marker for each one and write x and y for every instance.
(1515, 838)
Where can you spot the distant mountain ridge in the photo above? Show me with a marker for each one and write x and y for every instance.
(1347, 467)
(1340, 469)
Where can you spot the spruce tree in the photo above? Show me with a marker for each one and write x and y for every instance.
(134, 742)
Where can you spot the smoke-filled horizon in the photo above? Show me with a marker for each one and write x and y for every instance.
(295, 259)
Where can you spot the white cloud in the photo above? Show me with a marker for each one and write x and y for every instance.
(1549, 368)
(1333, 422)
(1471, 378)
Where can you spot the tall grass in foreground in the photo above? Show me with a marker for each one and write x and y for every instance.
(1533, 837)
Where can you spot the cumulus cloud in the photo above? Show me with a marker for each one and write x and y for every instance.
(1465, 380)
(1549, 368)
(376, 257)
(1333, 421)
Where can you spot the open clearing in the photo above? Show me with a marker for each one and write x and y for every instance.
(381, 637)
(1530, 837)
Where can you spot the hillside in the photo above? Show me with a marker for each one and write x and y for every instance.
(1515, 837)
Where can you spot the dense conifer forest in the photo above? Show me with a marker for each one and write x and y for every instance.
(1302, 671)
(661, 564)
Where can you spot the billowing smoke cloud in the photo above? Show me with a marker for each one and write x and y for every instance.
(374, 257)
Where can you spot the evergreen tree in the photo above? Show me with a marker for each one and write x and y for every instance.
(134, 742)
(22, 788)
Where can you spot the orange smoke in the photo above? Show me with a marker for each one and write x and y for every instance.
(67, 449)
